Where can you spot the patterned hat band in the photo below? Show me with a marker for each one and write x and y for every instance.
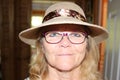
(64, 13)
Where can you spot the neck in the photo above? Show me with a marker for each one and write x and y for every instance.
(55, 74)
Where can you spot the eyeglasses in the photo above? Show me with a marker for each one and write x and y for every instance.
(55, 37)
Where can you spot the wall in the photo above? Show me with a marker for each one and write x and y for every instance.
(112, 59)
(15, 16)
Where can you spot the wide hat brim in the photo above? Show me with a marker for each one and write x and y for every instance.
(29, 36)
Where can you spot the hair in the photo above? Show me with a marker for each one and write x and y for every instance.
(89, 67)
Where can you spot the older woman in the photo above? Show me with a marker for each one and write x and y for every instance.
(66, 45)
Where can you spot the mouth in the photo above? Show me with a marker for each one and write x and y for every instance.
(65, 54)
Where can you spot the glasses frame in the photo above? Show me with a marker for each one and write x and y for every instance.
(64, 34)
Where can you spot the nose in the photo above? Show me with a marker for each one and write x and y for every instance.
(65, 42)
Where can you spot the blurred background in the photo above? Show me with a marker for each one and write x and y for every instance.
(17, 15)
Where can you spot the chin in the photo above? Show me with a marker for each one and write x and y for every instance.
(65, 68)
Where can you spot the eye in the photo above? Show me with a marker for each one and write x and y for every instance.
(76, 34)
(53, 34)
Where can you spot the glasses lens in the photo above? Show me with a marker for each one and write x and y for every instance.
(77, 37)
(74, 37)
(53, 37)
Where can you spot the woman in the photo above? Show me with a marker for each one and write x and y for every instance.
(66, 45)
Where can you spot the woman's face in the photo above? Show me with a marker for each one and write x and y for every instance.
(64, 55)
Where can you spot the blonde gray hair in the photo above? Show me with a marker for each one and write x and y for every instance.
(89, 67)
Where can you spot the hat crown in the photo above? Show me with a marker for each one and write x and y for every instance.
(65, 5)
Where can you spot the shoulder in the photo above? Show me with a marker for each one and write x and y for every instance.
(27, 78)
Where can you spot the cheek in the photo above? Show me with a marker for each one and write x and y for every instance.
(81, 49)
(47, 49)
(81, 52)
(45, 46)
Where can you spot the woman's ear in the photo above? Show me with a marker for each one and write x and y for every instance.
(42, 45)
(42, 48)
(88, 45)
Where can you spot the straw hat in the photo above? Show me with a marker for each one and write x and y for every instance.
(63, 13)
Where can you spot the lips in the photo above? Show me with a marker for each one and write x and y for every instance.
(65, 54)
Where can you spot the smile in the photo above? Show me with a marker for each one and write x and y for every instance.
(64, 54)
